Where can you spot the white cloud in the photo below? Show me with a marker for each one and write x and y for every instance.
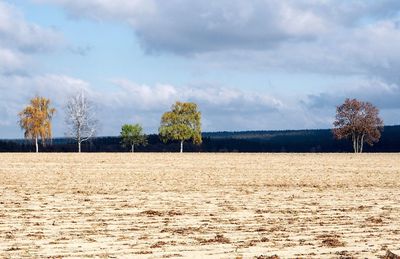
(19, 39)
(223, 108)
(378, 92)
(11, 60)
(16, 32)
(17, 90)
(385, 96)
(146, 97)
(143, 97)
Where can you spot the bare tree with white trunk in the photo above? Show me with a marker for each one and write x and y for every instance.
(80, 118)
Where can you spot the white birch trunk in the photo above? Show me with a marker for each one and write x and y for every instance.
(357, 144)
(37, 145)
(362, 143)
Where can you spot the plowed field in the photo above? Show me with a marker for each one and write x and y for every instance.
(199, 205)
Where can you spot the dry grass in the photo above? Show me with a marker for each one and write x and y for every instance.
(204, 205)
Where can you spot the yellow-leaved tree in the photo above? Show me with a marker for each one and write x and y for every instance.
(35, 119)
(182, 123)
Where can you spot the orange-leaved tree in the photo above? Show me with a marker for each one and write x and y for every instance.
(35, 119)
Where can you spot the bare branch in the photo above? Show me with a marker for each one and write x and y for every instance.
(80, 118)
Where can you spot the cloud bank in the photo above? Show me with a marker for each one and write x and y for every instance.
(223, 108)
(344, 37)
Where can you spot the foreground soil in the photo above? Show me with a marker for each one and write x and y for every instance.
(199, 205)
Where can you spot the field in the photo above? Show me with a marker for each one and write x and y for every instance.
(199, 205)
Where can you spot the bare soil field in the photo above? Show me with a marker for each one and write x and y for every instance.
(199, 205)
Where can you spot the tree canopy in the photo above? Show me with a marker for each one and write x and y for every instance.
(132, 135)
(359, 121)
(80, 118)
(35, 119)
(182, 123)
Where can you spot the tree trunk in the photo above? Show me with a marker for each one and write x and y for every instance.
(133, 148)
(181, 146)
(37, 145)
(358, 144)
(78, 135)
(362, 143)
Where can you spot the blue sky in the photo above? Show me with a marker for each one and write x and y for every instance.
(250, 65)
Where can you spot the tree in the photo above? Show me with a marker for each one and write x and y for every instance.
(359, 121)
(132, 135)
(182, 123)
(35, 119)
(80, 119)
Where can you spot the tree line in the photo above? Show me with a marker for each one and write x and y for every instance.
(355, 120)
(277, 141)
(181, 124)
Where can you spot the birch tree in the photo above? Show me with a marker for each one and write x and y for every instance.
(182, 123)
(358, 121)
(80, 119)
(35, 119)
(132, 135)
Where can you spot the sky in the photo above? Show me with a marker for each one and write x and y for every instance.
(248, 64)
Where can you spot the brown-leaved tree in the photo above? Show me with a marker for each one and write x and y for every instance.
(35, 119)
(358, 121)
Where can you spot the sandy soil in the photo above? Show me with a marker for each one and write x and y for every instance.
(199, 205)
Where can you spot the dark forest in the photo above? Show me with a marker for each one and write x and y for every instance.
(244, 141)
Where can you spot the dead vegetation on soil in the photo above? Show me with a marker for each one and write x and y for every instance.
(199, 205)
(390, 255)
